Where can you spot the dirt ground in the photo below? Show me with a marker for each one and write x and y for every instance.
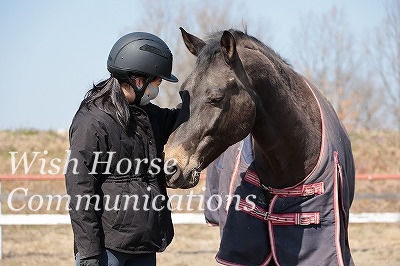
(371, 244)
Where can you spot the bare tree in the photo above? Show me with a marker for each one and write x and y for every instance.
(328, 56)
(386, 58)
(370, 115)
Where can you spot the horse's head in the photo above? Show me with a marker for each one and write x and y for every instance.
(218, 108)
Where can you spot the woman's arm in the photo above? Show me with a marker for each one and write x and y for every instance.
(81, 184)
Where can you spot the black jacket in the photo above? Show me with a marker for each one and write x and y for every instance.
(115, 201)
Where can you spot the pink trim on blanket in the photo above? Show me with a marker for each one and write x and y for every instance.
(337, 209)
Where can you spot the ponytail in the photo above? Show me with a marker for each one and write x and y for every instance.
(108, 97)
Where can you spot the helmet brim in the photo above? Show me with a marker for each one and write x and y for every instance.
(172, 78)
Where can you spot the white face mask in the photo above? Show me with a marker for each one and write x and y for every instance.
(150, 94)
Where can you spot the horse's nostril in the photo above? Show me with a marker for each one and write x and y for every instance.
(170, 170)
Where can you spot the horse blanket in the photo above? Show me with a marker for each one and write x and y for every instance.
(302, 225)
(222, 179)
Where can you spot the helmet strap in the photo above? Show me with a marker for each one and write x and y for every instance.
(139, 92)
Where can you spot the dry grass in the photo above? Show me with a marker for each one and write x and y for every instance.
(30, 141)
(374, 151)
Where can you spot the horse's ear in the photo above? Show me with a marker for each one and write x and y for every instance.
(193, 43)
(228, 47)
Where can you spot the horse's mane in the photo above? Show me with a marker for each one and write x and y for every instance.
(280, 65)
(242, 39)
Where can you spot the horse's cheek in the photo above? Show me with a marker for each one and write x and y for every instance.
(246, 109)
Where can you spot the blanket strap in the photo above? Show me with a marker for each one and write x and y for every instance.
(295, 218)
(299, 191)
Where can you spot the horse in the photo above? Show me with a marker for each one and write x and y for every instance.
(303, 163)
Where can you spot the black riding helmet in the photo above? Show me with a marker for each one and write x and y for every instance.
(143, 54)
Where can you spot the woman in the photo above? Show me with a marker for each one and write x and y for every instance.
(118, 200)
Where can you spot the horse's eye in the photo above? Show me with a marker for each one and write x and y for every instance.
(215, 101)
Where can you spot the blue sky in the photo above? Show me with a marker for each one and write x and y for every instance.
(53, 51)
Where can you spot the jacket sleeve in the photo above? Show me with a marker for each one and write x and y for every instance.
(169, 121)
(81, 183)
(163, 121)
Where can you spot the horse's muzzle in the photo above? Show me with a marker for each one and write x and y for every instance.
(179, 180)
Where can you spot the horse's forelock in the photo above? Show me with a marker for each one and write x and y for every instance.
(211, 48)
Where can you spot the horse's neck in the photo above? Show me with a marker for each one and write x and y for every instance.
(287, 134)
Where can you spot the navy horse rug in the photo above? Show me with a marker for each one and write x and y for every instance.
(301, 225)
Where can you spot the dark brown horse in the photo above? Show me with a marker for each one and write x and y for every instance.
(240, 86)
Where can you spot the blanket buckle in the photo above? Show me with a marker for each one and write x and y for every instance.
(308, 191)
(305, 220)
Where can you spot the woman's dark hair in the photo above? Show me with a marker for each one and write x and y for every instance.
(108, 97)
